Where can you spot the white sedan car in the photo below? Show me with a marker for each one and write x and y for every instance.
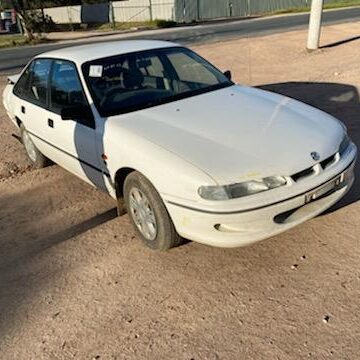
(185, 151)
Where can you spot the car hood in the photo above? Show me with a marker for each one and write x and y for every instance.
(238, 133)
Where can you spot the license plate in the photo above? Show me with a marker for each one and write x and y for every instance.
(324, 189)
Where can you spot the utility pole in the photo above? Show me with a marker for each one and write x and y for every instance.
(151, 10)
(315, 25)
(112, 15)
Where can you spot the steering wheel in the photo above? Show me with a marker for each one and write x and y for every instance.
(110, 94)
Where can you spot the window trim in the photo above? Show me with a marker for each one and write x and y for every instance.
(171, 99)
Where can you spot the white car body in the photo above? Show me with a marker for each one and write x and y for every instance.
(227, 136)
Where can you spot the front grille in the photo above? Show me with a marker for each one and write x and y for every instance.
(328, 162)
(303, 174)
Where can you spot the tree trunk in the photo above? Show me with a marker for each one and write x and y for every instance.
(25, 25)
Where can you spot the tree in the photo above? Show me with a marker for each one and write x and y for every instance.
(5, 4)
(32, 17)
(31, 13)
(27, 12)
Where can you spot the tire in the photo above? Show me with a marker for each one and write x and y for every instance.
(144, 204)
(37, 159)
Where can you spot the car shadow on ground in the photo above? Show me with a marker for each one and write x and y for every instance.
(339, 100)
(31, 222)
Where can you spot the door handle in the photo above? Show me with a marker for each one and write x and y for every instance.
(50, 123)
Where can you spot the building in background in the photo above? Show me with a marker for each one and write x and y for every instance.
(8, 21)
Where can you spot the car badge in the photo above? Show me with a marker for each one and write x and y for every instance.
(315, 155)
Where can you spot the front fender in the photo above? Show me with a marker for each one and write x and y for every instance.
(171, 175)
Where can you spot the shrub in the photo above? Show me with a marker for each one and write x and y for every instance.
(165, 23)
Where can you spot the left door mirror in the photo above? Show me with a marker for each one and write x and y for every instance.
(228, 75)
(77, 112)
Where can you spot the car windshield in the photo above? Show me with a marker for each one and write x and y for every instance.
(135, 81)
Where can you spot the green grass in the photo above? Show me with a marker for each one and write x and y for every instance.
(155, 24)
(336, 4)
(19, 40)
(341, 3)
(12, 40)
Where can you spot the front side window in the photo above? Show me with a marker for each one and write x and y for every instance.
(39, 81)
(139, 80)
(66, 90)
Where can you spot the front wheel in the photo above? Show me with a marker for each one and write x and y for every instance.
(148, 214)
(37, 159)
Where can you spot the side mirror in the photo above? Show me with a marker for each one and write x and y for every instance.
(228, 75)
(77, 112)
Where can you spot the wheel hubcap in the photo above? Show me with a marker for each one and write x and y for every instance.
(29, 146)
(142, 214)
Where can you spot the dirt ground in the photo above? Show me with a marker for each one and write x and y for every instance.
(75, 282)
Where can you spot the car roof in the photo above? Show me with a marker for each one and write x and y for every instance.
(84, 53)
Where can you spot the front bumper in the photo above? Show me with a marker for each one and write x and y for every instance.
(246, 227)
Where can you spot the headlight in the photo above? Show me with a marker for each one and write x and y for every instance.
(238, 190)
(213, 193)
(345, 143)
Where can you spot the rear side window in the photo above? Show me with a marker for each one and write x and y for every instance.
(39, 80)
(66, 89)
(22, 86)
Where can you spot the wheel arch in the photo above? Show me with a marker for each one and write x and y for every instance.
(120, 177)
(119, 180)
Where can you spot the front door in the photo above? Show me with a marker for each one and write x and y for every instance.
(73, 141)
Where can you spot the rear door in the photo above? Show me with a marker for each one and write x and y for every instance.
(32, 98)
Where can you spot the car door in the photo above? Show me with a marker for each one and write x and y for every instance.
(31, 93)
(72, 140)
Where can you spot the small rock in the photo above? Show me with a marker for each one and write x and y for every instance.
(56, 314)
(295, 266)
(303, 257)
(326, 319)
(336, 73)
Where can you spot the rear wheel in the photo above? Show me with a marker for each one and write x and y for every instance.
(148, 214)
(37, 159)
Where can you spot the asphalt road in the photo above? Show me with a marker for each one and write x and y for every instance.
(11, 60)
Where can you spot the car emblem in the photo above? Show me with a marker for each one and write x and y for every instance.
(315, 155)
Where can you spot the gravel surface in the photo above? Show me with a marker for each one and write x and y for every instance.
(75, 282)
